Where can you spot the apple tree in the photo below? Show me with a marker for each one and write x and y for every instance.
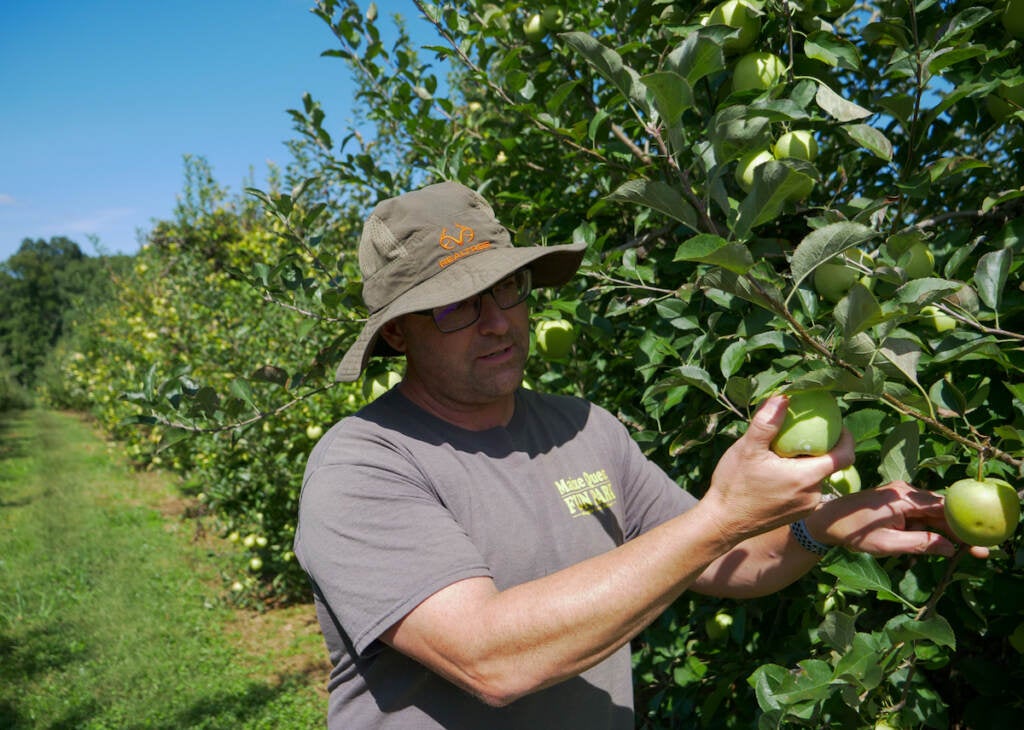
(886, 193)
(776, 195)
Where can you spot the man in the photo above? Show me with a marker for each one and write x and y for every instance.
(481, 554)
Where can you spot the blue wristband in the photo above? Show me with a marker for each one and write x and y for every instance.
(799, 530)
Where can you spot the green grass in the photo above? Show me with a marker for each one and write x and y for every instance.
(111, 613)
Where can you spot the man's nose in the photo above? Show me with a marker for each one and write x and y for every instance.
(493, 319)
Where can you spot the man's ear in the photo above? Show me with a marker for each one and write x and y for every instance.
(393, 335)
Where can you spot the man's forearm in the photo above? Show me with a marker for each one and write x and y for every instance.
(503, 645)
(757, 567)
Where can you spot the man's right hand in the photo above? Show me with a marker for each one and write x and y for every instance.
(753, 490)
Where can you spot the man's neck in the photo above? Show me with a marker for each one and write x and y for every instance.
(471, 417)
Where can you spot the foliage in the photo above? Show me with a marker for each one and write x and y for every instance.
(40, 285)
(620, 127)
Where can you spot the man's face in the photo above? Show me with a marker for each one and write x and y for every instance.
(476, 367)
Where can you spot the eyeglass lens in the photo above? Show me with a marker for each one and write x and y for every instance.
(507, 293)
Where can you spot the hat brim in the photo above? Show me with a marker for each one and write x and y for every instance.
(550, 266)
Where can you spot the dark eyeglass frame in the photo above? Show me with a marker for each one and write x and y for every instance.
(523, 280)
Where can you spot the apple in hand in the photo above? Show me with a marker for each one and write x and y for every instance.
(812, 425)
(555, 338)
(982, 512)
(759, 70)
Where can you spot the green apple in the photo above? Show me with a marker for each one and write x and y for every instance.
(812, 425)
(941, 321)
(844, 481)
(834, 278)
(759, 70)
(798, 144)
(741, 16)
(555, 338)
(982, 512)
(746, 165)
(552, 18)
(377, 385)
(918, 261)
(534, 28)
(255, 564)
(313, 432)
(1013, 18)
(718, 626)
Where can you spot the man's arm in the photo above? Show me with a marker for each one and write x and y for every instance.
(501, 645)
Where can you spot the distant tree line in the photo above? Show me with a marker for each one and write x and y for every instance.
(42, 286)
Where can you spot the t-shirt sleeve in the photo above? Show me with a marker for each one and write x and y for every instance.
(374, 537)
(651, 496)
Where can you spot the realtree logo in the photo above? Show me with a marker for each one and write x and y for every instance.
(448, 241)
(465, 235)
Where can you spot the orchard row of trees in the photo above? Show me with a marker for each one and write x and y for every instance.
(802, 195)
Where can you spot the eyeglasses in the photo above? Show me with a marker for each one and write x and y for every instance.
(507, 293)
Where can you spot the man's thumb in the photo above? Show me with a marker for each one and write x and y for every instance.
(768, 420)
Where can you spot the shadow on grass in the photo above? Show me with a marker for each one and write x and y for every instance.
(229, 710)
(13, 445)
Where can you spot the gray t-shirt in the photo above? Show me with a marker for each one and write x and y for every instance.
(397, 504)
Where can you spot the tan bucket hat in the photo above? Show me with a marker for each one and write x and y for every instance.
(435, 246)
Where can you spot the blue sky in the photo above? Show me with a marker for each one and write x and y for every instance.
(101, 99)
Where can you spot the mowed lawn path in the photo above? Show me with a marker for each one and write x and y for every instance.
(111, 603)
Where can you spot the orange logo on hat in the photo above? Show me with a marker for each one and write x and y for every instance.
(448, 241)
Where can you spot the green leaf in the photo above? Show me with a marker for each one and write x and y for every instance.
(672, 94)
(990, 276)
(900, 453)
(699, 55)
(774, 184)
(710, 249)
(832, 51)
(695, 376)
(862, 664)
(857, 311)
(609, 64)
(659, 196)
(871, 139)
(824, 243)
(934, 629)
(923, 291)
(905, 354)
(861, 572)
(241, 389)
(837, 107)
